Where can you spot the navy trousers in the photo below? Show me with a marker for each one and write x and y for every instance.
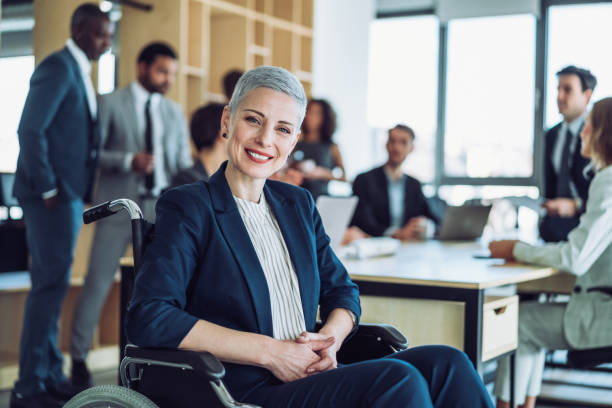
(421, 377)
(51, 235)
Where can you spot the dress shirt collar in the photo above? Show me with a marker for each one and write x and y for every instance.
(575, 125)
(79, 56)
(141, 95)
(390, 178)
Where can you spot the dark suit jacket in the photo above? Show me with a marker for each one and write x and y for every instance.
(58, 140)
(373, 214)
(201, 264)
(553, 228)
(578, 163)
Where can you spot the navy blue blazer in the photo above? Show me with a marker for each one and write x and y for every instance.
(577, 166)
(201, 264)
(373, 214)
(58, 140)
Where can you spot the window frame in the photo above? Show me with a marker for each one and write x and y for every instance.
(541, 53)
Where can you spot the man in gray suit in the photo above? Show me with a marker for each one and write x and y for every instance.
(144, 143)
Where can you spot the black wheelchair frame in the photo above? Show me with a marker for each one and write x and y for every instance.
(370, 341)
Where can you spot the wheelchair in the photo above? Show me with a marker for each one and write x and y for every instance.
(172, 378)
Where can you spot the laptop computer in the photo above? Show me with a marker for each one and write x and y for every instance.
(336, 214)
(463, 223)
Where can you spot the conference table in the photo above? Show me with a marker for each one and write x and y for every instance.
(440, 293)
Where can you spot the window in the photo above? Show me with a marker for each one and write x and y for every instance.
(14, 86)
(490, 97)
(578, 35)
(402, 87)
(106, 73)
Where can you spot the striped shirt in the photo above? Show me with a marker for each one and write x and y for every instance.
(285, 301)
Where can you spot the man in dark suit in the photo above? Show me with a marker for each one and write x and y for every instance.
(392, 203)
(566, 172)
(58, 151)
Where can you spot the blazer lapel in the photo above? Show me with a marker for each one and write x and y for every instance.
(383, 209)
(300, 249)
(80, 84)
(129, 116)
(237, 238)
(168, 143)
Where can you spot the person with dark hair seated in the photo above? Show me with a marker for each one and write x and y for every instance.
(209, 142)
(391, 203)
(239, 265)
(586, 320)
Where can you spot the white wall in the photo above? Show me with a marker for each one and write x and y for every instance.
(340, 73)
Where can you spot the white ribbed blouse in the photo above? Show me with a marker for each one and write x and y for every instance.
(273, 255)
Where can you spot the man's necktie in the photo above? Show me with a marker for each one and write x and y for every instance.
(563, 181)
(149, 178)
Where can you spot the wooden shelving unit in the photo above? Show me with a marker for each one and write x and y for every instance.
(215, 36)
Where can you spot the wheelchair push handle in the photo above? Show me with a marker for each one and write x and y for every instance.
(103, 210)
(97, 212)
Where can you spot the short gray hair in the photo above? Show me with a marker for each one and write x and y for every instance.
(275, 78)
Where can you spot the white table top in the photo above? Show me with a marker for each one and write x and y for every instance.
(448, 264)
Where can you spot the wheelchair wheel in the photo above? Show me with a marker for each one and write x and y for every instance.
(109, 396)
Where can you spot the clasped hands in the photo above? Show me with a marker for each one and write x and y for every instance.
(309, 354)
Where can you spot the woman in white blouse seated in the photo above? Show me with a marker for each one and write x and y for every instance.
(586, 321)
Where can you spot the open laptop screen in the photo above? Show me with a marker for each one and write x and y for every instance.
(336, 214)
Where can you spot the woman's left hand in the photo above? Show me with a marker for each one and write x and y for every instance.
(327, 354)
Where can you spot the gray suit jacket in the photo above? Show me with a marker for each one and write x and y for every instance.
(120, 137)
(587, 253)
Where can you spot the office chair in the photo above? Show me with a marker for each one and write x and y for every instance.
(589, 358)
(592, 357)
(172, 378)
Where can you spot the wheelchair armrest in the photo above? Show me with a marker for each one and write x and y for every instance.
(387, 333)
(200, 361)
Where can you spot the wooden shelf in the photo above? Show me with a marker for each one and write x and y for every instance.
(215, 36)
(304, 76)
(193, 71)
(259, 50)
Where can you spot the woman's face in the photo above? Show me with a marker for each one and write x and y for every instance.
(314, 116)
(585, 135)
(262, 132)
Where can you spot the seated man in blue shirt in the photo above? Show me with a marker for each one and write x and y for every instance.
(392, 203)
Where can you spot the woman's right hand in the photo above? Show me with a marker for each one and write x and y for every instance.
(502, 249)
(289, 360)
